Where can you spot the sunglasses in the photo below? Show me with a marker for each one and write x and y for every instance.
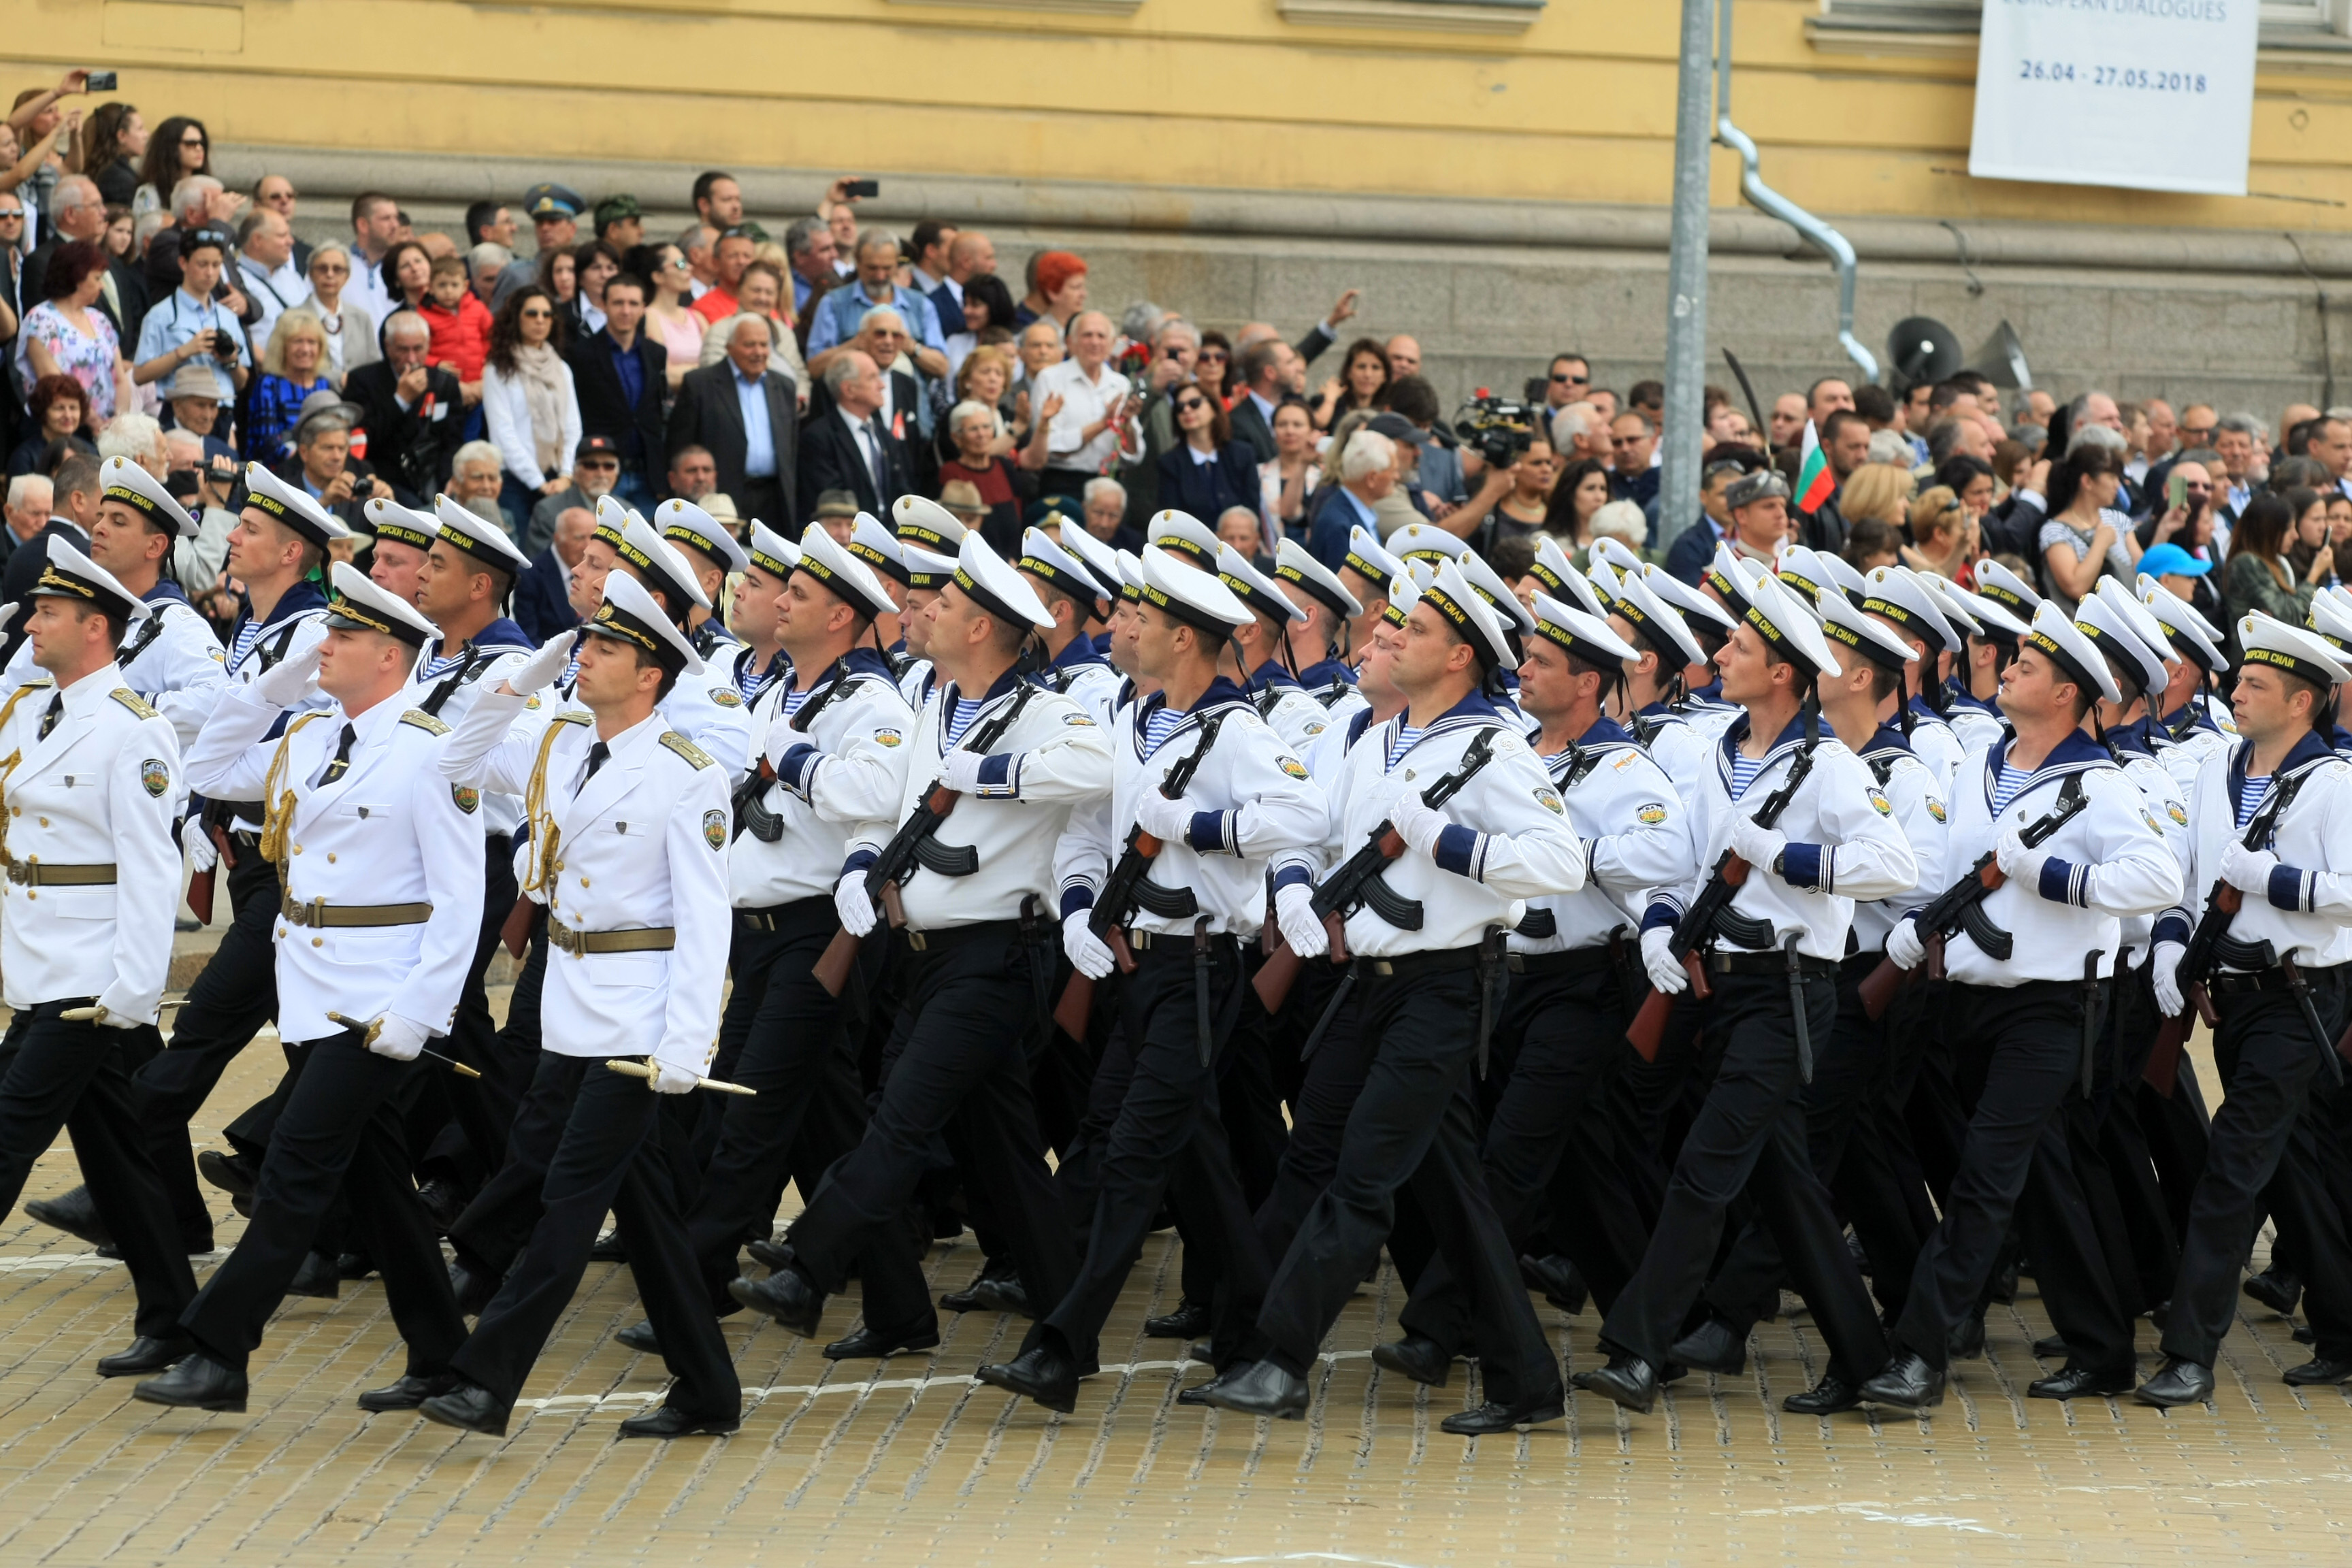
(1186, 406)
(11, 217)
(1216, 356)
(539, 315)
(1565, 379)
(193, 142)
(611, 463)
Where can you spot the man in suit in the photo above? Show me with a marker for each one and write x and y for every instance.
(542, 596)
(413, 413)
(883, 339)
(73, 509)
(744, 412)
(847, 449)
(618, 374)
(1270, 371)
(77, 212)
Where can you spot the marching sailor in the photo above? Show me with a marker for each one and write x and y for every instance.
(1319, 644)
(768, 560)
(1663, 649)
(711, 551)
(1898, 600)
(926, 574)
(2184, 712)
(1259, 652)
(1073, 595)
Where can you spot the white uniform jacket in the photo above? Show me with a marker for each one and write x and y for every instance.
(839, 763)
(291, 623)
(1081, 673)
(1054, 759)
(1635, 832)
(1935, 743)
(1923, 812)
(1509, 841)
(2109, 862)
(172, 658)
(2168, 802)
(447, 684)
(2306, 913)
(2197, 738)
(642, 845)
(1333, 685)
(100, 790)
(390, 830)
(1681, 752)
(1976, 723)
(1253, 808)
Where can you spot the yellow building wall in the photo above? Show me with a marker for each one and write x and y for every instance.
(1218, 93)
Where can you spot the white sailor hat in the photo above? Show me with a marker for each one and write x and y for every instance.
(1404, 592)
(1195, 598)
(996, 587)
(852, 582)
(1675, 593)
(354, 604)
(772, 552)
(1801, 570)
(1845, 626)
(1782, 620)
(67, 574)
(686, 524)
(291, 505)
(1368, 558)
(1182, 532)
(658, 564)
(1603, 578)
(2140, 620)
(612, 516)
(1725, 576)
(1469, 614)
(925, 570)
(1586, 637)
(1427, 541)
(2331, 617)
(629, 615)
(1615, 554)
(1490, 585)
(121, 479)
(1900, 596)
(2190, 633)
(877, 546)
(1551, 567)
(1566, 584)
(1101, 560)
(463, 529)
(2306, 655)
(1656, 622)
(1844, 573)
(1952, 602)
(1058, 569)
(1255, 589)
(2006, 589)
(2111, 631)
(1293, 562)
(927, 524)
(389, 520)
(1130, 576)
(2057, 639)
(1994, 621)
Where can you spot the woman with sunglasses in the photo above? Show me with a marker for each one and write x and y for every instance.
(1211, 364)
(351, 331)
(527, 402)
(1207, 471)
(671, 324)
(180, 147)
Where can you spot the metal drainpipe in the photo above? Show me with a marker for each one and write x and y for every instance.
(1752, 185)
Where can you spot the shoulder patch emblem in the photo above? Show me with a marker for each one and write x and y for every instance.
(532, 702)
(2173, 809)
(424, 722)
(133, 701)
(1650, 813)
(1548, 798)
(2150, 817)
(1880, 803)
(469, 800)
(1294, 768)
(1311, 730)
(218, 655)
(154, 777)
(887, 738)
(1624, 760)
(714, 829)
(1935, 808)
(727, 697)
(686, 749)
(1078, 722)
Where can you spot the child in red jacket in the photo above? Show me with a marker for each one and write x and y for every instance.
(460, 323)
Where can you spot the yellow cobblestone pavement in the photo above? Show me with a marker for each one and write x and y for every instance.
(910, 1462)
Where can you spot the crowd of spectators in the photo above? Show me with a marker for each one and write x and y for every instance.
(550, 351)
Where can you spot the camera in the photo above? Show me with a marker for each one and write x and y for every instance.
(101, 82)
(223, 343)
(1498, 429)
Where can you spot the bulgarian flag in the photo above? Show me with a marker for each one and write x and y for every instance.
(1815, 483)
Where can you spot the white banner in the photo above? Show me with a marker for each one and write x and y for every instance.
(2155, 95)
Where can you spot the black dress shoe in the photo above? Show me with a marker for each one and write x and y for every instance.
(868, 1344)
(443, 1201)
(2180, 1382)
(407, 1394)
(1258, 1388)
(608, 1248)
(784, 1296)
(1713, 1346)
(769, 1253)
(1627, 1380)
(2084, 1382)
(354, 1266)
(232, 1174)
(76, 1214)
(639, 1336)
(243, 1206)
(668, 1421)
(1004, 1293)
(1827, 1398)
(2316, 1372)
(2302, 1335)
(1490, 1417)
(2004, 1290)
(2051, 1347)
(317, 1277)
(469, 1408)
(1188, 1320)
(1906, 1382)
(1965, 1342)
(198, 1383)
(146, 1355)
(964, 1300)
(1423, 1360)
(1556, 1280)
(473, 1290)
(1042, 1372)
(2276, 1289)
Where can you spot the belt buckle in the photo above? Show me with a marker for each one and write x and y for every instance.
(19, 872)
(566, 938)
(917, 941)
(1381, 968)
(317, 908)
(1516, 961)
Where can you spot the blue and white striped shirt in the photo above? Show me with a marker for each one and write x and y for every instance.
(1407, 736)
(2012, 779)
(2250, 797)
(1159, 727)
(1744, 769)
(967, 709)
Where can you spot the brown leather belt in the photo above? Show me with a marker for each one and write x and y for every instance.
(636, 939)
(33, 874)
(319, 912)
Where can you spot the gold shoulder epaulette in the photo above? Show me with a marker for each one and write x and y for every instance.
(573, 716)
(686, 749)
(133, 701)
(424, 722)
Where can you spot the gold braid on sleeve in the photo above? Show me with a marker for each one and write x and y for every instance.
(544, 835)
(279, 816)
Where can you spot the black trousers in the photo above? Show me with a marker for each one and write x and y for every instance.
(609, 1158)
(2152, 1240)
(340, 1133)
(1249, 1095)
(958, 1070)
(485, 1107)
(226, 1007)
(1655, 1103)
(1550, 1139)
(1750, 1139)
(1329, 1083)
(2015, 1053)
(1169, 1141)
(75, 1076)
(2264, 1152)
(1413, 1127)
(783, 1036)
(488, 1236)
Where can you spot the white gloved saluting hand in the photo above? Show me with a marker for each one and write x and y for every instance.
(543, 667)
(289, 680)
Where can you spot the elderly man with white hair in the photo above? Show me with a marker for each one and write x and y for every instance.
(30, 497)
(136, 437)
(746, 413)
(1368, 472)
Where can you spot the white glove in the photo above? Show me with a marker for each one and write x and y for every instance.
(542, 668)
(1759, 847)
(855, 903)
(2248, 870)
(1293, 912)
(1166, 820)
(2017, 863)
(1905, 948)
(7, 614)
(1089, 954)
(1658, 957)
(1416, 824)
(668, 1079)
(289, 680)
(202, 853)
(960, 771)
(2166, 975)
(108, 1019)
(399, 1039)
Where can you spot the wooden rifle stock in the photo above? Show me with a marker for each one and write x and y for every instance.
(1879, 987)
(2163, 1068)
(1077, 1001)
(201, 884)
(1648, 1029)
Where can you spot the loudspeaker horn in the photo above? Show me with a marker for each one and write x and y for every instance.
(2002, 360)
(1921, 349)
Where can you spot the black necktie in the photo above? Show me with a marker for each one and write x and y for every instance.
(597, 754)
(881, 467)
(49, 719)
(341, 762)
